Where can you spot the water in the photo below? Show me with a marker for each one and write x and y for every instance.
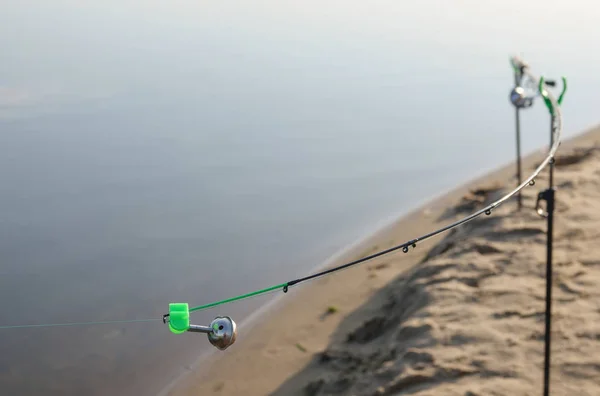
(184, 151)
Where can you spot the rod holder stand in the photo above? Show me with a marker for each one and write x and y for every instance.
(548, 196)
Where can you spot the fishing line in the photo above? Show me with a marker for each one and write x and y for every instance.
(241, 297)
(26, 326)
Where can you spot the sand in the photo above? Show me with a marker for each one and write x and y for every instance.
(462, 314)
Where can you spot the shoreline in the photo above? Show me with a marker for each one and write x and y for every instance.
(422, 213)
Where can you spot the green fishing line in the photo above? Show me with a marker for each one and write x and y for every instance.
(241, 297)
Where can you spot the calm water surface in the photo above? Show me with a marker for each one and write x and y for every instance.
(155, 151)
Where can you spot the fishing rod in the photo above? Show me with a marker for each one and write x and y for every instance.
(222, 331)
(178, 318)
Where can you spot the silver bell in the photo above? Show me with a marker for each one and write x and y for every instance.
(519, 98)
(222, 331)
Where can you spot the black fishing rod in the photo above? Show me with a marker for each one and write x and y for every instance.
(222, 331)
(178, 317)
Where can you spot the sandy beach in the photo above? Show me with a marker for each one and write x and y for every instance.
(462, 314)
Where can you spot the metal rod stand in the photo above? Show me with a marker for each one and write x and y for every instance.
(548, 196)
(518, 76)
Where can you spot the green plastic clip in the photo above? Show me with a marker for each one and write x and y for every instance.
(544, 94)
(179, 317)
(562, 94)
